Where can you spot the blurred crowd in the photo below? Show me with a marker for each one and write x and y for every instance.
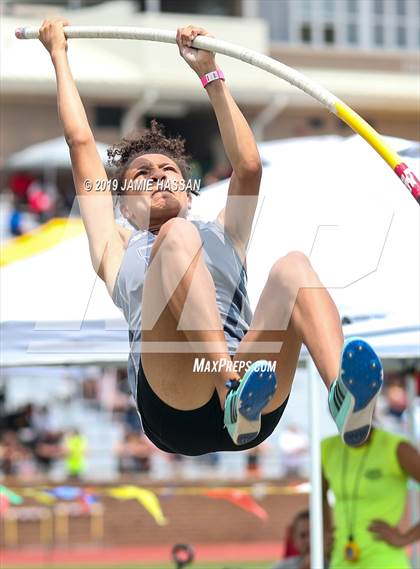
(34, 200)
(29, 445)
(33, 443)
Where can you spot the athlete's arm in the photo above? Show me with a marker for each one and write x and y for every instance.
(90, 178)
(242, 151)
(238, 141)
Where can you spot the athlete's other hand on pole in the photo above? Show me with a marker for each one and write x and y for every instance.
(200, 60)
(52, 36)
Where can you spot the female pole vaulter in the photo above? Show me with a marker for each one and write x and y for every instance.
(182, 285)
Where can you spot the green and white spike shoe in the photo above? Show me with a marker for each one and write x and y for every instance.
(245, 401)
(353, 395)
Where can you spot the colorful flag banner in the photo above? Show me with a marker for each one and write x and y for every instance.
(11, 497)
(40, 496)
(239, 498)
(146, 498)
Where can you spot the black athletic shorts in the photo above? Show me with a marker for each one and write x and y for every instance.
(195, 432)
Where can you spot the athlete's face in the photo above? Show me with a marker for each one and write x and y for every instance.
(153, 191)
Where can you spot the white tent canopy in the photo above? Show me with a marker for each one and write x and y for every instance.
(393, 337)
(55, 310)
(338, 202)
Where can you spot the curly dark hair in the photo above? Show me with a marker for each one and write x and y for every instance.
(152, 141)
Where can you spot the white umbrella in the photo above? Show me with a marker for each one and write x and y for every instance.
(51, 154)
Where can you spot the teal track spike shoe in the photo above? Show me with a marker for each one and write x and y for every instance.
(353, 395)
(245, 401)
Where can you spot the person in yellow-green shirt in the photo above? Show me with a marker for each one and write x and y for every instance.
(369, 483)
(75, 453)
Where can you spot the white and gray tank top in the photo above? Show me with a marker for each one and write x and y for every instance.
(229, 277)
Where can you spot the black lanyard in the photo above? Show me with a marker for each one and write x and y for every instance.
(350, 510)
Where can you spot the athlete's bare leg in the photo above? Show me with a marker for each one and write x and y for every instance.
(294, 308)
(181, 321)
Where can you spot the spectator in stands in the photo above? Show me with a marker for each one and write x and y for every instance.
(19, 184)
(41, 419)
(293, 444)
(396, 399)
(134, 453)
(47, 449)
(19, 419)
(177, 462)
(40, 201)
(11, 452)
(75, 448)
(253, 461)
(15, 458)
(131, 417)
(28, 442)
(90, 390)
(16, 221)
(300, 541)
(30, 194)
